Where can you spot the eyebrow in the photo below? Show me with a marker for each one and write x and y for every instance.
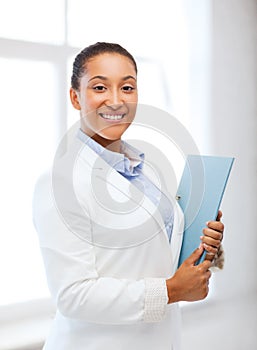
(105, 78)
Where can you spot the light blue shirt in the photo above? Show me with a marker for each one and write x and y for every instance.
(129, 163)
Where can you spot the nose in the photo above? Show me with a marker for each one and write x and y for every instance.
(114, 100)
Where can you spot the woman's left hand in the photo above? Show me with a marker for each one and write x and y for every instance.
(213, 235)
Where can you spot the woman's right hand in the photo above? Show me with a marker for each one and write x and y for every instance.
(190, 282)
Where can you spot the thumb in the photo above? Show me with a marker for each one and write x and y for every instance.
(195, 256)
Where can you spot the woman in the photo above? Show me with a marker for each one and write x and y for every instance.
(109, 237)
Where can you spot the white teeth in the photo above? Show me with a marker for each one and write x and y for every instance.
(112, 117)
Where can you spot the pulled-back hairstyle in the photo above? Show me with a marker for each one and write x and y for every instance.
(79, 65)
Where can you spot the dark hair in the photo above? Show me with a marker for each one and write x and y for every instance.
(79, 65)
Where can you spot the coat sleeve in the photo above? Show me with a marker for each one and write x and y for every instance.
(77, 289)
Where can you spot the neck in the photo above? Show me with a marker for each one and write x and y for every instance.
(111, 145)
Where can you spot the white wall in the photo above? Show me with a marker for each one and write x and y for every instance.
(234, 132)
(228, 319)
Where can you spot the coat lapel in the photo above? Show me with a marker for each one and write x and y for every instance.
(115, 191)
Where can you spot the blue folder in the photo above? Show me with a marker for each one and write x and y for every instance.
(199, 195)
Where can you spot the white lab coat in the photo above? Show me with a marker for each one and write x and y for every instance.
(107, 256)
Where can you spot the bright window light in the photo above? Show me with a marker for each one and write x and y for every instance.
(26, 149)
(147, 32)
(35, 106)
(37, 21)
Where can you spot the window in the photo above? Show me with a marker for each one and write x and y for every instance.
(38, 42)
(27, 143)
(154, 31)
(36, 21)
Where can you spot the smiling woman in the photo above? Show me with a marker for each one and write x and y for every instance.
(106, 97)
(95, 242)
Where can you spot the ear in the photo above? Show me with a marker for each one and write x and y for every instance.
(74, 99)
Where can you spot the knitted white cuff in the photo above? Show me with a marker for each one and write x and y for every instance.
(156, 299)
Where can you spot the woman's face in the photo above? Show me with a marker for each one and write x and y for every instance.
(107, 98)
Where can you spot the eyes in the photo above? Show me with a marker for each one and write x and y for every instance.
(125, 88)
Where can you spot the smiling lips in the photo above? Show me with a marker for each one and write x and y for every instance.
(112, 117)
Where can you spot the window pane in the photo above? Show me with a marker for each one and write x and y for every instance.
(154, 32)
(145, 28)
(27, 143)
(151, 84)
(38, 21)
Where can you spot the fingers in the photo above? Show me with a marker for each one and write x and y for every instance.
(210, 234)
(215, 225)
(213, 235)
(211, 246)
(210, 251)
(212, 239)
(206, 273)
(195, 256)
(209, 257)
(219, 215)
(203, 268)
(205, 265)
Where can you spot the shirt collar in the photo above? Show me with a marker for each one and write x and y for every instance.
(128, 162)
